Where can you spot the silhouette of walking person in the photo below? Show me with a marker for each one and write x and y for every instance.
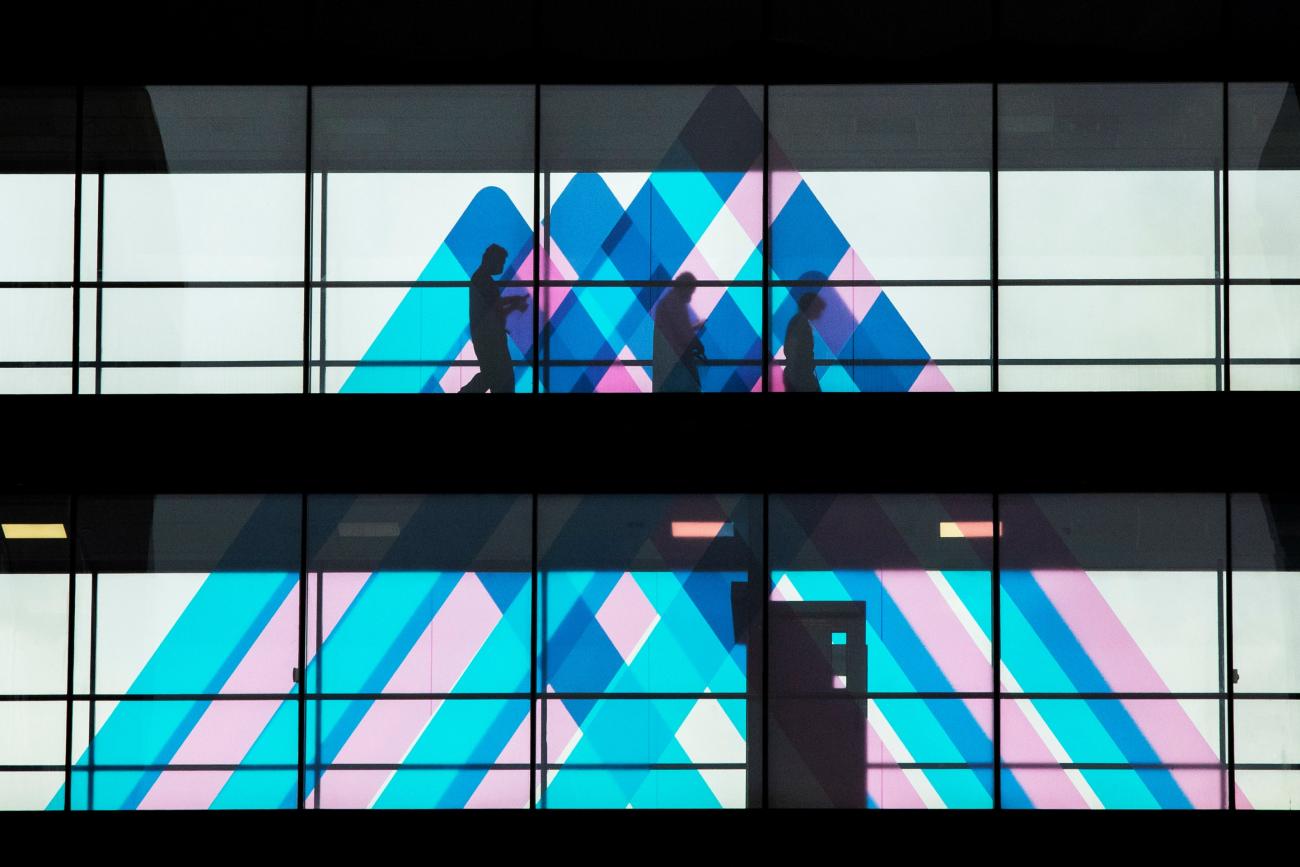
(799, 373)
(678, 350)
(487, 326)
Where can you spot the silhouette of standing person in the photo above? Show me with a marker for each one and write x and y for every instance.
(799, 373)
(487, 326)
(677, 348)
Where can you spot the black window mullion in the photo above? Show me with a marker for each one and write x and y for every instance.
(993, 257)
(1232, 671)
(76, 249)
(300, 676)
(72, 650)
(766, 258)
(1227, 259)
(996, 651)
(324, 252)
(533, 767)
(99, 286)
(308, 186)
(537, 265)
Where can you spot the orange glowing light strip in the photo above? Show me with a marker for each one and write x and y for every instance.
(968, 529)
(702, 529)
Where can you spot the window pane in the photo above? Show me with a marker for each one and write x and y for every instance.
(196, 185)
(32, 732)
(1113, 754)
(37, 166)
(1267, 735)
(867, 338)
(194, 597)
(415, 184)
(29, 790)
(1266, 592)
(420, 753)
(881, 183)
(1113, 593)
(34, 566)
(150, 755)
(649, 184)
(35, 325)
(426, 601)
(709, 734)
(1128, 225)
(384, 339)
(37, 192)
(647, 605)
(886, 182)
(1116, 186)
(1108, 324)
(1264, 136)
(618, 339)
(36, 227)
(33, 633)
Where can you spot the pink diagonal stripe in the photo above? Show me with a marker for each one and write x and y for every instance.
(227, 729)
(389, 728)
(1049, 788)
(618, 380)
(931, 378)
(1126, 668)
(746, 204)
(943, 635)
(888, 782)
(506, 787)
(341, 589)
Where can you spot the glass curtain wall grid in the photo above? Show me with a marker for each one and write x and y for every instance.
(534, 651)
(434, 239)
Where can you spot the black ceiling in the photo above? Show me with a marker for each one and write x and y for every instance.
(325, 41)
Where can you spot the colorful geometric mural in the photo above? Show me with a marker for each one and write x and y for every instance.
(929, 632)
(424, 685)
(383, 632)
(625, 227)
(642, 633)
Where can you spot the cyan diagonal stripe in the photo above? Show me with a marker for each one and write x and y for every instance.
(1056, 635)
(199, 653)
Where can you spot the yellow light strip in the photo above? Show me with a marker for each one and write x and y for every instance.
(34, 531)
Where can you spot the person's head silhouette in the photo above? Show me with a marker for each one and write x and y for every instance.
(494, 259)
(685, 285)
(811, 304)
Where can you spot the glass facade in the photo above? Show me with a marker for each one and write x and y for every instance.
(575, 238)
(882, 651)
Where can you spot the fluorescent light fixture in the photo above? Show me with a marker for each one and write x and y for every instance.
(369, 529)
(968, 529)
(703, 529)
(34, 531)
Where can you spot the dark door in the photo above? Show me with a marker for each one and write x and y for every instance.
(817, 745)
